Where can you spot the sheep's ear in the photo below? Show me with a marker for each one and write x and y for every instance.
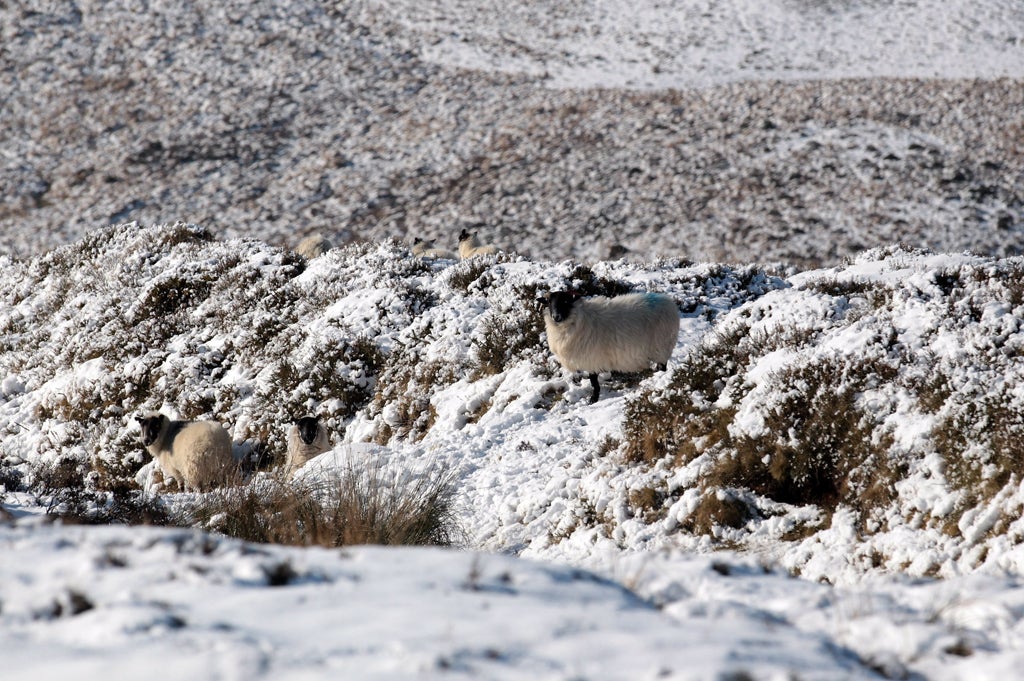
(417, 240)
(463, 235)
(543, 301)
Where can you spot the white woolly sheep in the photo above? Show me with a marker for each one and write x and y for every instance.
(197, 454)
(469, 246)
(306, 439)
(625, 333)
(424, 248)
(313, 246)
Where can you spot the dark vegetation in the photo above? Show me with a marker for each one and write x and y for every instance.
(826, 436)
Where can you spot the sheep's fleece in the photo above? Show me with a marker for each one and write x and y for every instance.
(197, 454)
(625, 333)
(470, 246)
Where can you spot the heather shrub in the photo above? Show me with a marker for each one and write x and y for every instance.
(817, 444)
(68, 490)
(668, 423)
(981, 441)
(402, 395)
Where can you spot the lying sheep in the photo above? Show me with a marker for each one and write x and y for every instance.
(423, 248)
(197, 454)
(313, 246)
(469, 246)
(306, 439)
(625, 333)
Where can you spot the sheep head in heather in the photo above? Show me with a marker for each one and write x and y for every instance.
(151, 425)
(470, 246)
(308, 427)
(307, 438)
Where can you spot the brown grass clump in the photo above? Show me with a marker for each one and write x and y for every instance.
(352, 506)
(717, 508)
(648, 503)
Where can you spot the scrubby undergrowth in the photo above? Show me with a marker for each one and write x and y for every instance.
(864, 404)
(885, 395)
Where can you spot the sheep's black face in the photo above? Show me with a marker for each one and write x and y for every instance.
(150, 429)
(307, 427)
(560, 305)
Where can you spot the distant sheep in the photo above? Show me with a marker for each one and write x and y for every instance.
(313, 246)
(306, 439)
(423, 248)
(196, 454)
(470, 246)
(625, 333)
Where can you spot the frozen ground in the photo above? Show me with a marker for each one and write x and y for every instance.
(801, 132)
(652, 44)
(786, 130)
(925, 583)
(116, 603)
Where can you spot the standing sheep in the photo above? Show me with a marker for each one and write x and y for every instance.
(306, 439)
(197, 454)
(423, 248)
(625, 333)
(313, 246)
(469, 246)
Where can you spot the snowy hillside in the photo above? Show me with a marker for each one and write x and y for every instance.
(730, 132)
(654, 44)
(854, 426)
(824, 484)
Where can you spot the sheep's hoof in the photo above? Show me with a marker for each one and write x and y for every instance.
(597, 388)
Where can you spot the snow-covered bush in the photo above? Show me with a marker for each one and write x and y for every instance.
(851, 390)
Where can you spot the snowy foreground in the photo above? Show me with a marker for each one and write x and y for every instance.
(123, 603)
(417, 365)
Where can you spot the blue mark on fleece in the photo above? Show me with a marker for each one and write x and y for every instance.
(652, 299)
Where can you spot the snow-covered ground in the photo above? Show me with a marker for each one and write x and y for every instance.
(795, 131)
(921, 583)
(119, 603)
(659, 44)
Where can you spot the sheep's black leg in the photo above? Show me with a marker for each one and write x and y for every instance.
(662, 366)
(597, 388)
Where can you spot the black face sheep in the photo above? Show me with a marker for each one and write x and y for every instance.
(197, 454)
(625, 333)
(423, 248)
(313, 246)
(306, 438)
(469, 246)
